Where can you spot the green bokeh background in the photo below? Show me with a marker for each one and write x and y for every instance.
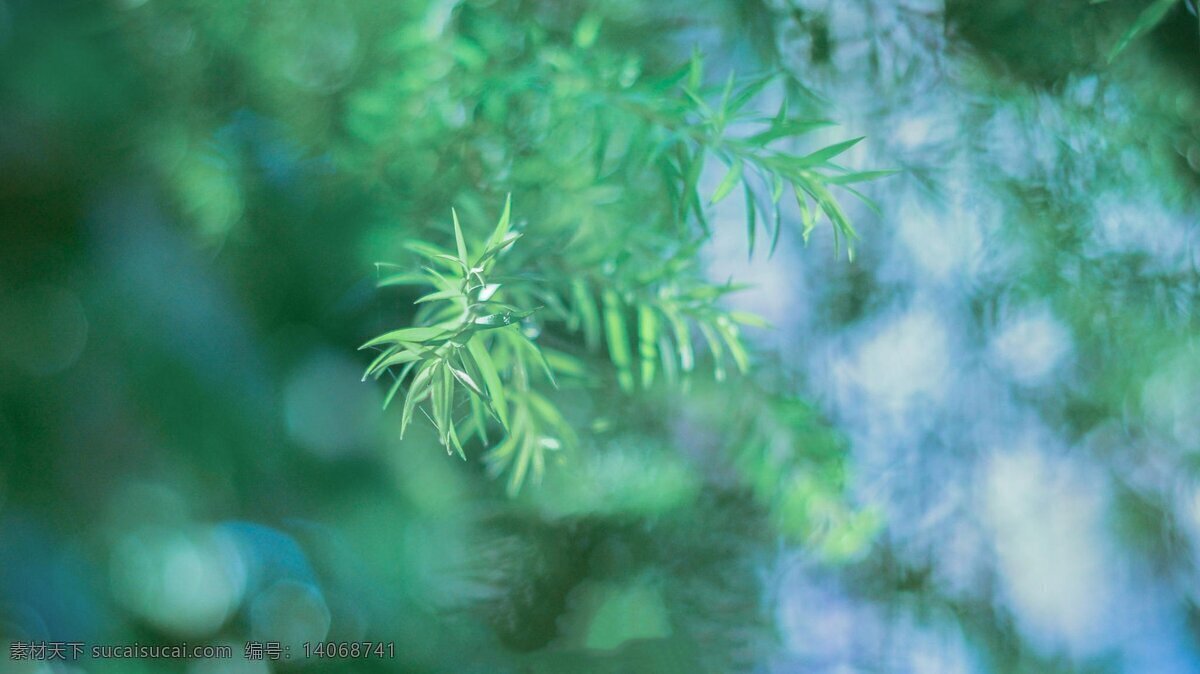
(192, 198)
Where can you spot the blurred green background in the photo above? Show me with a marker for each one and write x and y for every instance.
(972, 449)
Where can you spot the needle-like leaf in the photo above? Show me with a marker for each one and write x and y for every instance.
(618, 339)
(730, 181)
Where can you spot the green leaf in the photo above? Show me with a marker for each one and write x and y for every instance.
(467, 381)
(695, 71)
(807, 215)
(588, 316)
(647, 342)
(416, 335)
(683, 339)
(500, 320)
(1146, 21)
(847, 178)
(714, 345)
(729, 331)
(778, 222)
(748, 93)
(491, 378)
(826, 153)
(417, 392)
(618, 339)
(503, 243)
(525, 344)
(550, 414)
(433, 254)
(497, 240)
(520, 466)
(725, 93)
(667, 355)
(387, 400)
(691, 178)
(730, 181)
(751, 217)
(405, 279)
(747, 318)
(587, 30)
(394, 359)
(833, 210)
(442, 396)
(776, 187)
(459, 242)
(479, 419)
(563, 363)
(788, 129)
(439, 295)
(455, 263)
(452, 435)
(379, 359)
(603, 133)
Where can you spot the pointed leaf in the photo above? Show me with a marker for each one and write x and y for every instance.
(861, 176)
(417, 392)
(491, 378)
(778, 222)
(501, 230)
(394, 359)
(618, 339)
(452, 435)
(1150, 17)
(714, 345)
(479, 420)
(751, 217)
(647, 342)
(683, 339)
(826, 153)
(747, 318)
(421, 334)
(587, 313)
(378, 359)
(730, 181)
(730, 333)
(748, 93)
(500, 320)
(439, 295)
(787, 129)
(459, 242)
(467, 381)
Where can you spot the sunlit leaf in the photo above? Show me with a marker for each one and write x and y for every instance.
(587, 313)
(420, 334)
(683, 340)
(417, 391)
(730, 181)
(618, 339)
(491, 378)
(647, 342)
(715, 346)
(459, 242)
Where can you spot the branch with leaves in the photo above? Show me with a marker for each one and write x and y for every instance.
(690, 130)
(471, 361)
(468, 346)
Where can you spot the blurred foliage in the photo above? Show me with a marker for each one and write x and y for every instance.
(198, 192)
(530, 209)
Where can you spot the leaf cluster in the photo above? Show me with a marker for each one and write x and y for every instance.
(609, 159)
